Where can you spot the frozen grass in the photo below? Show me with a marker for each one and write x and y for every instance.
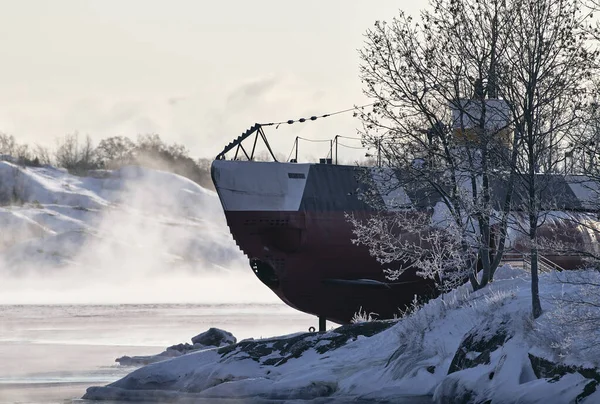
(569, 328)
(361, 316)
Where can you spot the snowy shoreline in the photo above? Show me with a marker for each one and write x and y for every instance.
(463, 347)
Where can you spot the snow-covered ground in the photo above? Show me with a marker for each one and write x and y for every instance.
(147, 236)
(132, 235)
(52, 353)
(58, 213)
(463, 347)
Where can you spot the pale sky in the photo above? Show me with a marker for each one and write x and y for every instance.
(194, 71)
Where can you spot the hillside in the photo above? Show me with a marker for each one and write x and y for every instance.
(126, 230)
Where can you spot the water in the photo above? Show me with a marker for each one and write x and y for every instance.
(52, 353)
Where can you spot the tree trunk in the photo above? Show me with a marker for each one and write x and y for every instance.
(536, 306)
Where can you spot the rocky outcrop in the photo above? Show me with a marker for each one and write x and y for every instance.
(213, 338)
(553, 372)
(493, 365)
(478, 344)
(250, 369)
(277, 351)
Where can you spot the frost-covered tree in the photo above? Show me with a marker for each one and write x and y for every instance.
(437, 118)
(475, 97)
(545, 77)
(409, 238)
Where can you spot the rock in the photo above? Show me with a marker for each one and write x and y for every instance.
(247, 371)
(183, 348)
(453, 390)
(475, 349)
(478, 344)
(147, 359)
(214, 337)
(545, 369)
(505, 369)
(278, 351)
(125, 361)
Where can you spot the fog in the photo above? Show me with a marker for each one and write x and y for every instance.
(75, 249)
(67, 288)
(197, 73)
(131, 236)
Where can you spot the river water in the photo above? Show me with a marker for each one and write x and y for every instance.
(52, 353)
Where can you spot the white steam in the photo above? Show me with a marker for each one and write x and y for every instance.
(130, 236)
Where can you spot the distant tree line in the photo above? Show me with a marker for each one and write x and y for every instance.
(79, 155)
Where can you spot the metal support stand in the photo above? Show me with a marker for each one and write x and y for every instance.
(322, 327)
(237, 143)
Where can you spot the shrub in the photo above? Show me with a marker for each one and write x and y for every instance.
(75, 157)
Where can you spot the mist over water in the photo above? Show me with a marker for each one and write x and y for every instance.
(115, 263)
(131, 236)
(53, 353)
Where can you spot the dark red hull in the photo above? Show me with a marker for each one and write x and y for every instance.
(311, 253)
(290, 220)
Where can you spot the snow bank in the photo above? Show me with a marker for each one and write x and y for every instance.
(131, 224)
(462, 347)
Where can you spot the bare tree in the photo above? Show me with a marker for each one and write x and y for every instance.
(150, 144)
(43, 154)
(544, 77)
(8, 144)
(438, 121)
(476, 97)
(580, 235)
(20, 153)
(74, 156)
(114, 152)
(66, 154)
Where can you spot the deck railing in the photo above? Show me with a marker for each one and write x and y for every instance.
(522, 260)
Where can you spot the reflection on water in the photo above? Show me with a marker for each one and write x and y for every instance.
(54, 352)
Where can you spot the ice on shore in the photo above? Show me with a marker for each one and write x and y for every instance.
(462, 347)
(212, 338)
